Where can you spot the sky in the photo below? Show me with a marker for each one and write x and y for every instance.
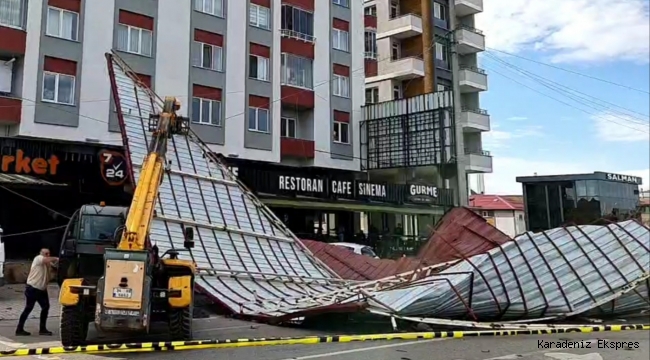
(590, 125)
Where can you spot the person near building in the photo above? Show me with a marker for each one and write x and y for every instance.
(36, 292)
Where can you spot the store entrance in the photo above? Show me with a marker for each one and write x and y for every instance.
(314, 224)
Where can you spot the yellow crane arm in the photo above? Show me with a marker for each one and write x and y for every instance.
(138, 220)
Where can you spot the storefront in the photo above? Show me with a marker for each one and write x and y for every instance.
(42, 183)
(551, 201)
(331, 204)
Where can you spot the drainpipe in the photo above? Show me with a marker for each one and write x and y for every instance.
(427, 48)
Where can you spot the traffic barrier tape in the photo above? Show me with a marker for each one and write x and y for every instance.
(306, 340)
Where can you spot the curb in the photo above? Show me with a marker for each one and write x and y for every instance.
(307, 340)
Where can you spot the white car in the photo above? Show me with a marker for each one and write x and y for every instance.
(357, 249)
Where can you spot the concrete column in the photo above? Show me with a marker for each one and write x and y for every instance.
(427, 48)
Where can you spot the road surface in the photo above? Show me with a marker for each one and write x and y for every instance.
(488, 348)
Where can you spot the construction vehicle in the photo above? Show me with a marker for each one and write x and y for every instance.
(110, 273)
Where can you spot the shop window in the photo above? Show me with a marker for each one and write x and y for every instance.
(537, 207)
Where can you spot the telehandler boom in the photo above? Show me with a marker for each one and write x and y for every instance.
(133, 286)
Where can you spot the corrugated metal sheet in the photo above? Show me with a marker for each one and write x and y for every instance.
(247, 255)
(559, 272)
(460, 234)
(351, 266)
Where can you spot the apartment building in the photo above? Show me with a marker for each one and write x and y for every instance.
(414, 48)
(282, 87)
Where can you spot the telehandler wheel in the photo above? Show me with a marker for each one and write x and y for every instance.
(180, 323)
(74, 325)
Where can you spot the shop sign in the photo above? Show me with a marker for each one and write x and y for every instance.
(301, 184)
(624, 178)
(113, 167)
(422, 194)
(25, 165)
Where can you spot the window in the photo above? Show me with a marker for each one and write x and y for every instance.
(297, 23)
(11, 13)
(370, 44)
(341, 133)
(441, 87)
(297, 71)
(258, 119)
(258, 67)
(206, 111)
(441, 52)
(288, 127)
(58, 88)
(439, 11)
(340, 40)
(367, 251)
(341, 86)
(345, 3)
(61, 23)
(370, 11)
(372, 96)
(258, 16)
(394, 8)
(134, 40)
(211, 57)
(212, 7)
(394, 51)
(397, 92)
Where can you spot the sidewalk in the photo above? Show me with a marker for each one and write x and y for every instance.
(12, 302)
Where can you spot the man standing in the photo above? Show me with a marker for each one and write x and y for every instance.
(36, 292)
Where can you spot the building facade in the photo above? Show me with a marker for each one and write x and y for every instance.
(414, 48)
(283, 86)
(506, 212)
(555, 200)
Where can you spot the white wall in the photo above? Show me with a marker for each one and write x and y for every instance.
(509, 222)
(322, 83)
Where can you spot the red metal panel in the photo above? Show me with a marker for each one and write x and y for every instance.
(297, 47)
(258, 101)
(341, 116)
(260, 50)
(370, 21)
(11, 110)
(145, 79)
(371, 67)
(265, 3)
(136, 20)
(206, 92)
(60, 66)
(302, 4)
(293, 96)
(342, 70)
(297, 148)
(70, 5)
(207, 37)
(12, 40)
(340, 24)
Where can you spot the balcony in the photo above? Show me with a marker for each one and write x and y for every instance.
(478, 161)
(297, 148)
(468, 7)
(11, 110)
(472, 79)
(401, 69)
(401, 27)
(469, 40)
(475, 120)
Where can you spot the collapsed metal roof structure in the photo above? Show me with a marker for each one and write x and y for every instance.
(253, 265)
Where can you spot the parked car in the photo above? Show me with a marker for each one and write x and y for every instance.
(357, 249)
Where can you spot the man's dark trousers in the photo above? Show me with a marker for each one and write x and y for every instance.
(33, 296)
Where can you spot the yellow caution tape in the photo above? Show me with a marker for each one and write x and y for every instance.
(307, 340)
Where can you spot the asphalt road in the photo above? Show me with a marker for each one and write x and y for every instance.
(488, 348)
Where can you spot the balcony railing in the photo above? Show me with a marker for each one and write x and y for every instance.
(475, 111)
(469, 151)
(474, 69)
(292, 34)
(370, 55)
(469, 28)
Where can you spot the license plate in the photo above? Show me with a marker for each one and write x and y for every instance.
(122, 293)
